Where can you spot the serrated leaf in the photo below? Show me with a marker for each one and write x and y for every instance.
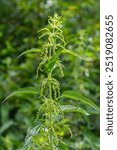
(31, 132)
(27, 90)
(76, 54)
(30, 51)
(77, 96)
(52, 61)
(70, 108)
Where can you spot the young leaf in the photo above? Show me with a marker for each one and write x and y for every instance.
(73, 53)
(30, 51)
(77, 96)
(27, 90)
(50, 64)
(70, 108)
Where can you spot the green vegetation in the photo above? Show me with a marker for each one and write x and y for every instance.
(57, 117)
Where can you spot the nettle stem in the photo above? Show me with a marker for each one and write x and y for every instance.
(50, 95)
(49, 136)
(51, 87)
(50, 116)
(54, 41)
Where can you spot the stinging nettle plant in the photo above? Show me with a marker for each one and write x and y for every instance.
(46, 132)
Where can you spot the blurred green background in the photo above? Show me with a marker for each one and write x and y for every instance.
(19, 22)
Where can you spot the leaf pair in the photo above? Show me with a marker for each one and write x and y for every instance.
(68, 94)
(51, 63)
(66, 51)
(54, 58)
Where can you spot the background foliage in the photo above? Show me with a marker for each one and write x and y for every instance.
(19, 23)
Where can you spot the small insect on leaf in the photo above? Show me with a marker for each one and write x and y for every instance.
(36, 50)
(77, 96)
(27, 90)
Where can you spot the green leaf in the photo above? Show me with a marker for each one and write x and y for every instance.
(70, 108)
(31, 133)
(52, 61)
(30, 51)
(6, 125)
(63, 146)
(77, 96)
(76, 54)
(27, 90)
